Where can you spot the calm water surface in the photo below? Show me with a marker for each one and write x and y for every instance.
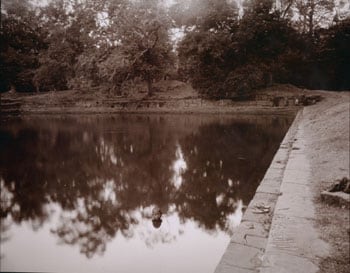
(78, 194)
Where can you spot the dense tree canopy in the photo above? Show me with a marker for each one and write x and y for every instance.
(224, 48)
(21, 41)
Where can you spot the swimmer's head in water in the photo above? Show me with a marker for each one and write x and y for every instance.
(156, 223)
(156, 217)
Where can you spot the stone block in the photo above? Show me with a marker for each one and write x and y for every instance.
(253, 228)
(249, 240)
(296, 176)
(295, 200)
(298, 163)
(275, 262)
(242, 256)
(265, 199)
(272, 182)
(274, 174)
(295, 236)
(336, 198)
(269, 188)
(226, 268)
(281, 156)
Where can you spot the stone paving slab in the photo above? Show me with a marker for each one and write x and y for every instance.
(268, 188)
(272, 182)
(294, 236)
(295, 176)
(245, 252)
(296, 153)
(226, 268)
(260, 198)
(293, 244)
(297, 164)
(252, 228)
(250, 240)
(295, 201)
(251, 234)
(278, 166)
(284, 263)
(242, 256)
(273, 174)
(281, 154)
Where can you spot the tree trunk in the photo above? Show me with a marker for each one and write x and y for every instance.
(287, 8)
(304, 24)
(311, 19)
(149, 85)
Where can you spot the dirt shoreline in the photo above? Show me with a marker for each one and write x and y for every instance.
(176, 97)
(224, 111)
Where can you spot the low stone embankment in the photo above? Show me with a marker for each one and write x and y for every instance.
(287, 226)
(247, 247)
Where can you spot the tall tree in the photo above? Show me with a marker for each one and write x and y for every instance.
(204, 14)
(235, 60)
(308, 14)
(20, 43)
(206, 53)
(143, 43)
(69, 24)
(313, 13)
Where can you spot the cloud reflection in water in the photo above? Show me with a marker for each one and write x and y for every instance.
(103, 188)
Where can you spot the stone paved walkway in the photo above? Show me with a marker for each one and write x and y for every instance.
(283, 239)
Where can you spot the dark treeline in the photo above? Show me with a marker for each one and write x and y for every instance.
(221, 48)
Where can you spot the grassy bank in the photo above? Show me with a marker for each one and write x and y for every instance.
(170, 97)
(327, 137)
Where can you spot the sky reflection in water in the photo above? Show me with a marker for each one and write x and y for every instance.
(77, 194)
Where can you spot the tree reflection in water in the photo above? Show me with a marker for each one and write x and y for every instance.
(106, 174)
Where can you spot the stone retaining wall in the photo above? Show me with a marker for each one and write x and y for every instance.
(247, 246)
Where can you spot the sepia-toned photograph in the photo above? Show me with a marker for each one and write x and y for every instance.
(175, 136)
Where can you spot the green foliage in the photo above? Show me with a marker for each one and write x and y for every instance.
(331, 57)
(111, 44)
(337, 46)
(20, 43)
(233, 61)
(264, 36)
(68, 37)
(132, 43)
(56, 64)
(242, 81)
(115, 70)
(206, 59)
(204, 14)
(312, 14)
(86, 71)
(51, 76)
(322, 63)
(144, 48)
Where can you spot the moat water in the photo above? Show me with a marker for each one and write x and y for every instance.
(79, 194)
